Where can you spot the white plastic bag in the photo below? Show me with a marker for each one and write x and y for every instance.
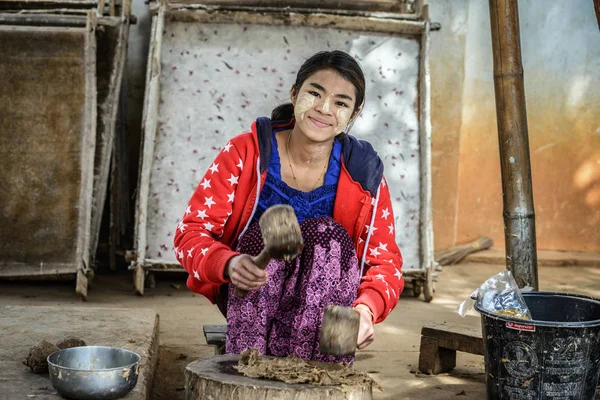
(499, 294)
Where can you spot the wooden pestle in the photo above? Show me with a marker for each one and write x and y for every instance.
(339, 331)
(281, 236)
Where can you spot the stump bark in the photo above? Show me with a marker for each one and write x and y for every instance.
(215, 378)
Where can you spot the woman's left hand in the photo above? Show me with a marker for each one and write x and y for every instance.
(366, 331)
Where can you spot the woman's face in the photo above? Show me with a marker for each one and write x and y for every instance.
(324, 105)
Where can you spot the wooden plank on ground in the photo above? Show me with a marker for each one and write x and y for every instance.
(440, 342)
(455, 337)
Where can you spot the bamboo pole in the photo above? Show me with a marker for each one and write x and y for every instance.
(519, 217)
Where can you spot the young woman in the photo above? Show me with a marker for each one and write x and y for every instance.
(301, 156)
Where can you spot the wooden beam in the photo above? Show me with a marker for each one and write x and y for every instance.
(54, 20)
(289, 10)
(519, 217)
(317, 20)
(395, 6)
(27, 4)
(45, 271)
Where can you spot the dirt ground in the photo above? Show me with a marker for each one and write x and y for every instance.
(391, 359)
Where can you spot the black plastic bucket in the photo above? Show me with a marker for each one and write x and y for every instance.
(554, 356)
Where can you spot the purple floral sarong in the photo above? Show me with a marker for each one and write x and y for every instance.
(284, 316)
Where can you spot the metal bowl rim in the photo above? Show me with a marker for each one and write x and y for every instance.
(139, 358)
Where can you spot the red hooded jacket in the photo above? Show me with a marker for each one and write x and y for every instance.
(222, 206)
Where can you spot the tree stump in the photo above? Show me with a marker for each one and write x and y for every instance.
(215, 378)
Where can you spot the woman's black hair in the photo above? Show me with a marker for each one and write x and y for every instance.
(336, 60)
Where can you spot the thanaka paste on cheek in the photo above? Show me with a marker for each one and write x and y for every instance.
(343, 117)
(304, 103)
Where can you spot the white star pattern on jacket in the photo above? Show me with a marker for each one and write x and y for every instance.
(233, 180)
(367, 228)
(201, 214)
(374, 252)
(208, 201)
(386, 213)
(206, 183)
(211, 206)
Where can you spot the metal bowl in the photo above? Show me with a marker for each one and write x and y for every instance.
(93, 372)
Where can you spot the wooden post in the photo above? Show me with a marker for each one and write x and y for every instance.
(519, 218)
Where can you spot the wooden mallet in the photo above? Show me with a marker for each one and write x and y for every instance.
(339, 331)
(281, 236)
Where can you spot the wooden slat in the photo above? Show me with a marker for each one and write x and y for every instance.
(115, 56)
(455, 337)
(290, 10)
(12, 270)
(37, 2)
(53, 20)
(365, 5)
(83, 256)
(149, 126)
(317, 20)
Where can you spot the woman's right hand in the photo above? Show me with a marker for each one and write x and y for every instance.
(244, 274)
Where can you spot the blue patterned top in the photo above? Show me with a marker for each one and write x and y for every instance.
(318, 203)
